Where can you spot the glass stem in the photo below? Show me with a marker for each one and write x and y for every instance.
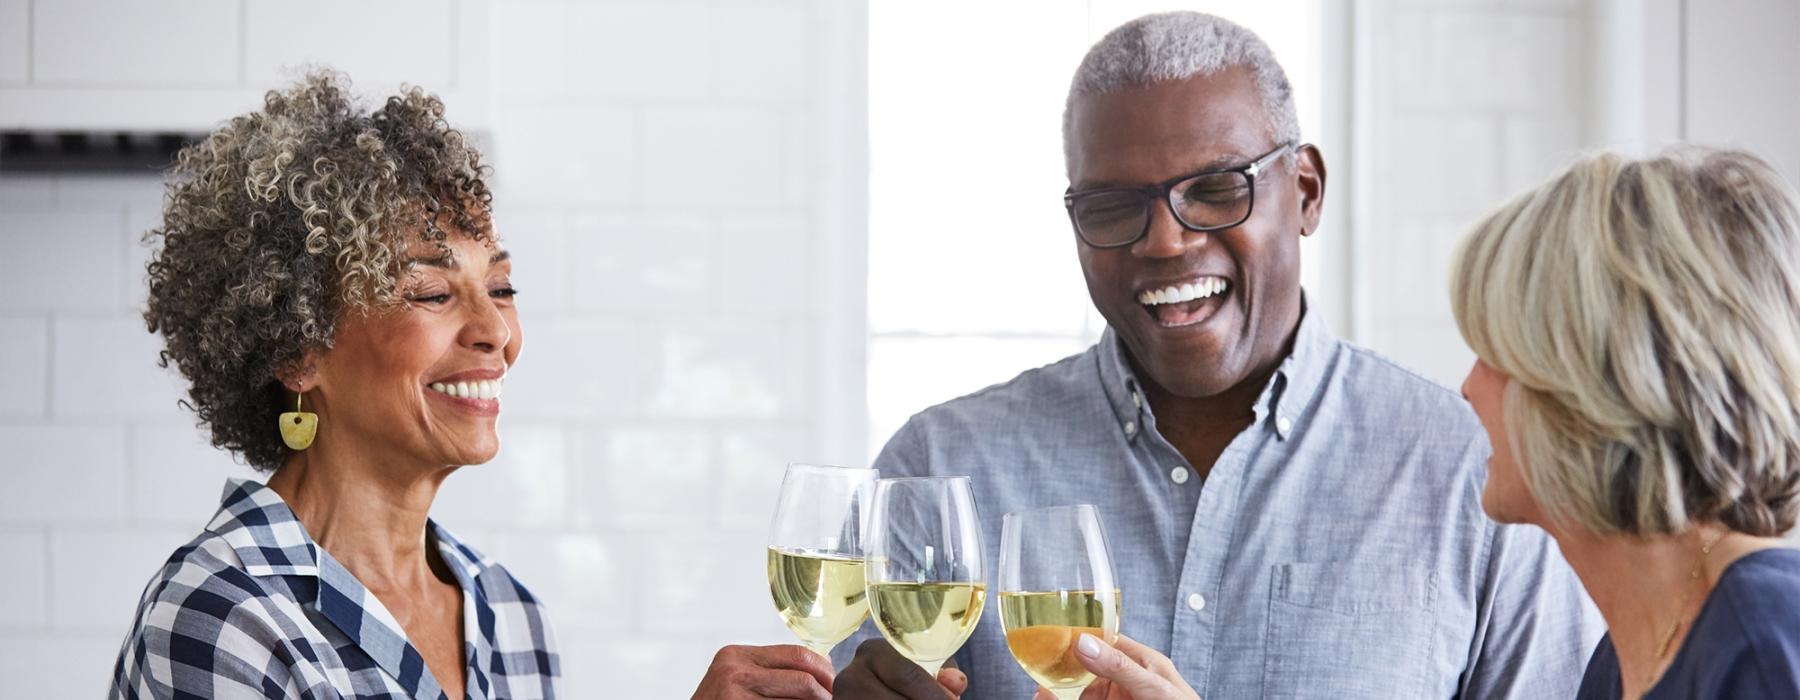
(931, 667)
(1068, 693)
(821, 648)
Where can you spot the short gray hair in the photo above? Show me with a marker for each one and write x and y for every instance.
(1645, 310)
(1169, 46)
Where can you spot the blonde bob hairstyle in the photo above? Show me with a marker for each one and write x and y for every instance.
(1648, 312)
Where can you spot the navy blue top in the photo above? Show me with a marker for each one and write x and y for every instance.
(1745, 643)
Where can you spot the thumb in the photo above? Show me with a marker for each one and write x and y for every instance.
(1113, 665)
(1043, 694)
(953, 680)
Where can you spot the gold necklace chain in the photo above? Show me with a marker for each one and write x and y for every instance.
(1662, 650)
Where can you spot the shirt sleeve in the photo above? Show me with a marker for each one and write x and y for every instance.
(1763, 660)
(904, 455)
(205, 635)
(1535, 625)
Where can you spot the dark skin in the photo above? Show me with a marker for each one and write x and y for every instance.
(386, 442)
(1201, 379)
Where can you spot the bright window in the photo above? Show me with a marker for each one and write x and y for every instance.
(972, 269)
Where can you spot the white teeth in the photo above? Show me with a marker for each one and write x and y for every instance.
(484, 389)
(1176, 294)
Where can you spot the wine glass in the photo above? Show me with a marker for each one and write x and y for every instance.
(1056, 583)
(816, 552)
(927, 584)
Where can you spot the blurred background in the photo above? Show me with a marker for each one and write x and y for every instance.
(747, 232)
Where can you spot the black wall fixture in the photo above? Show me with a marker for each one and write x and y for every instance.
(136, 153)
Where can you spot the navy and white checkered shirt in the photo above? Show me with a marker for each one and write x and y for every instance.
(254, 608)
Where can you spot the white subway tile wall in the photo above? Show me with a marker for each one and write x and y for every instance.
(24, 361)
(15, 50)
(133, 43)
(1469, 103)
(25, 550)
(658, 182)
(278, 36)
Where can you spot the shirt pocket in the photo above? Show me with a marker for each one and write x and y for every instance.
(1349, 631)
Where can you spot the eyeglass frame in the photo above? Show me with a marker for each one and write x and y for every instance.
(1165, 189)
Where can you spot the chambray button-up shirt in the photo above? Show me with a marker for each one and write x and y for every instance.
(1337, 549)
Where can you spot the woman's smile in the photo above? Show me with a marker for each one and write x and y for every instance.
(475, 391)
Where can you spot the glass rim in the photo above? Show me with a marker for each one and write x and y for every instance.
(1053, 509)
(897, 479)
(814, 466)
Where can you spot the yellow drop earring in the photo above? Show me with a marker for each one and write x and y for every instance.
(298, 428)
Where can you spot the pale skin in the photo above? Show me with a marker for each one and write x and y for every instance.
(1127, 670)
(386, 441)
(1637, 582)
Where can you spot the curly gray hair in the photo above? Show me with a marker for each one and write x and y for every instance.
(284, 220)
(1170, 46)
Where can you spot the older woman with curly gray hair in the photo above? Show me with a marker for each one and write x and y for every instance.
(1637, 324)
(328, 281)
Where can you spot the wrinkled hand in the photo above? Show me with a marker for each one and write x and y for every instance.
(1127, 671)
(880, 673)
(786, 671)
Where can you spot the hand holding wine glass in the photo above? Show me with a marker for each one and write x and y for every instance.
(926, 578)
(1056, 587)
(815, 577)
(1126, 670)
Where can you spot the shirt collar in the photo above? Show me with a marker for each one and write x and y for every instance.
(267, 537)
(270, 541)
(1289, 390)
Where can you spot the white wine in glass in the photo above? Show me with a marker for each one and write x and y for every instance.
(816, 554)
(927, 583)
(1056, 583)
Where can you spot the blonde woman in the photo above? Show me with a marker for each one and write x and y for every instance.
(1637, 324)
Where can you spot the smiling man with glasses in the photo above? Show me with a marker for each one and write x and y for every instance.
(1290, 515)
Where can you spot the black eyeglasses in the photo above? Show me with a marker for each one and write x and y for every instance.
(1210, 200)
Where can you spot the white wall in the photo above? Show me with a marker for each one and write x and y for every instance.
(677, 179)
(179, 64)
(1455, 106)
(1741, 85)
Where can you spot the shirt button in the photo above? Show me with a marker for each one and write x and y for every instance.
(1195, 602)
(1283, 426)
(1178, 475)
(1130, 427)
